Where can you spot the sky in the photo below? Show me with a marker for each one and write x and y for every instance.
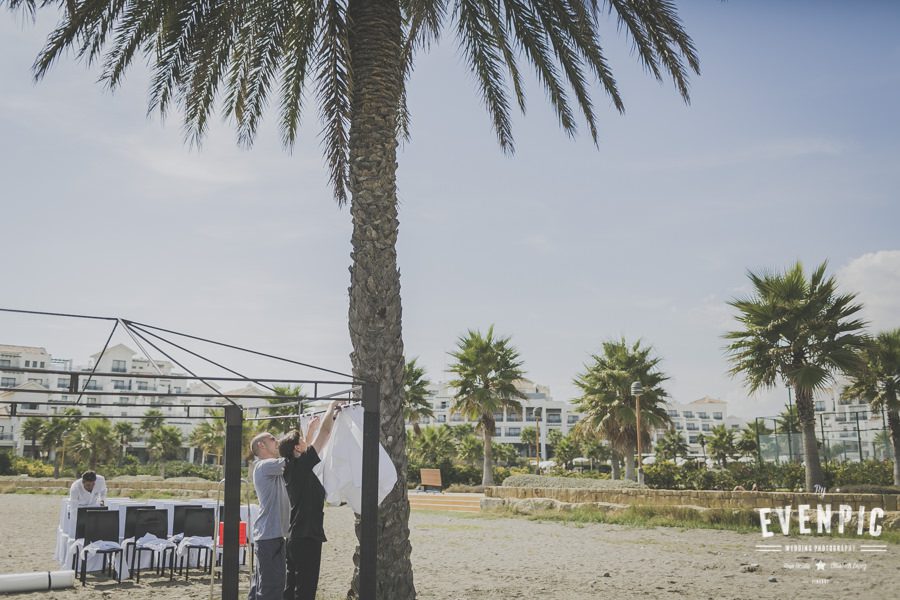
(788, 150)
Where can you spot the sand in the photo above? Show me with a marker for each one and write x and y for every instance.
(459, 557)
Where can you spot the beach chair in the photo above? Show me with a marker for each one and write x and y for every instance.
(198, 522)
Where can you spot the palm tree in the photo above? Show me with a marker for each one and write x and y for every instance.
(165, 444)
(243, 53)
(152, 420)
(487, 370)
(209, 436)
(505, 454)
(31, 430)
(92, 440)
(283, 425)
(434, 447)
(566, 450)
(752, 432)
(53, 434)
(800, 330)
(415, 395)
(671, 445)
(125, 433)
(528, 437)
(721, 444)
(606, 401)
(877, 380)
(470, 450)
(788, 423)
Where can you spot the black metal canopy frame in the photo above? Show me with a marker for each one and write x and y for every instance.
(233, 413)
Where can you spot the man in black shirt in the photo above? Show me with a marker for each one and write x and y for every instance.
(307, 496)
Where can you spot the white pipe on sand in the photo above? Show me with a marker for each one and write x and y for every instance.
(32, 582)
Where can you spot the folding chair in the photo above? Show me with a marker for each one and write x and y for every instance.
(156, 522)
(80, 519)
(101, 526)
(198, 522)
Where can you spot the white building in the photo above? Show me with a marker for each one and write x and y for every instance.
(696, 418)
(29, 390)
(848, 424)
(557, 414)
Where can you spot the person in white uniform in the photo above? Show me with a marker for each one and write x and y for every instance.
(90, 490)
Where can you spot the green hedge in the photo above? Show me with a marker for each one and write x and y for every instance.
(768, 476)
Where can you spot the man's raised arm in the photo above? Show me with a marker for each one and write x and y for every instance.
(327, 424)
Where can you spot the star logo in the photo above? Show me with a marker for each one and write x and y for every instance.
(820, 565)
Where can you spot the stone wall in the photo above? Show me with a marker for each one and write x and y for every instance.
(695, 498)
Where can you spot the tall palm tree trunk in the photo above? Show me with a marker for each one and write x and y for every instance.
(629, 460)
(375, 311)
(614, 463)
(807, 414)
(894, 424)
(487, 477)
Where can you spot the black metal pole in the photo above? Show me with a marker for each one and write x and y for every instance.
(368, 542)
(230, 549)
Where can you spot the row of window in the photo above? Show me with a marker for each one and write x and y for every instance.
(689, 414)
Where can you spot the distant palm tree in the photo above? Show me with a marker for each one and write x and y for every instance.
(470, 450)
(357, 56)
(209, 436)
(487, 370)
(800, 330)
(165, 444)
(283, 425)
(53, 434)
(434, 447)
(752, 432)
(415, 395)
(721, 444)
(92, 440)
(528, 437)
(606, 401)
(505, 453)
(877, 380)
(671, 445)
(152, 420)
(124, 433)
(31, 430)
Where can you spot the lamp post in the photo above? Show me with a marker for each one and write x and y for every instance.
(636, 390)
(537, 439)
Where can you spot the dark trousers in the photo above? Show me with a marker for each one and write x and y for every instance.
(304, 557)
(268, 580)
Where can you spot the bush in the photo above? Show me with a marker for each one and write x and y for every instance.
(870, 472)
(31, 467)
(870, 489)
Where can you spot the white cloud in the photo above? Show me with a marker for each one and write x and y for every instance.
(876, 278)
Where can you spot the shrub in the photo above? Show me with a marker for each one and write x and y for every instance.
(870, 489)
(6, 465)
(870, 472)
(535, 481)
(31, 467)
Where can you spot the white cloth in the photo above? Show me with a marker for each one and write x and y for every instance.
(340, 469)
(150, 542)
(78, 496)
(195, 541)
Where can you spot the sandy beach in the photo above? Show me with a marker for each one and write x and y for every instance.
(458, 557)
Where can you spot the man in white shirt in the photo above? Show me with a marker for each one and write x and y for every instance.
(90, 490)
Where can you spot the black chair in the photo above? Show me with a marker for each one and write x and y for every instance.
(199, 522)
(80, 518)
(179, 512)
(101, 526)
(156, 522)
(131, 512)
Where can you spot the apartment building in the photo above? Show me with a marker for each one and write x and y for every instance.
(698, 418)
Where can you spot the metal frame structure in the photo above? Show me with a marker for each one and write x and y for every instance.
(142, 333)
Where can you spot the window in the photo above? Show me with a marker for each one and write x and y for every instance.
(30, 406)
(514, 431)
(177, 390)
(5, 362)
(441, 418)
(678, 426)
(572, 419)
(142, 385)
(63, 383)
(692, 439)
(702, 415)
(123, 400)
(123, 413)
(688, 414)
(498, 432)
(513, 414)
(27, 363)
(42, 364)
(92, 401)
(706, 427)
(456, 418)
(7, 382)
(820, 405)
(118, 366)
(498, 416)
(673, 412)
(35, 380)
(692, 427)
(735, 426)
(717, 416)
(443, 404)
